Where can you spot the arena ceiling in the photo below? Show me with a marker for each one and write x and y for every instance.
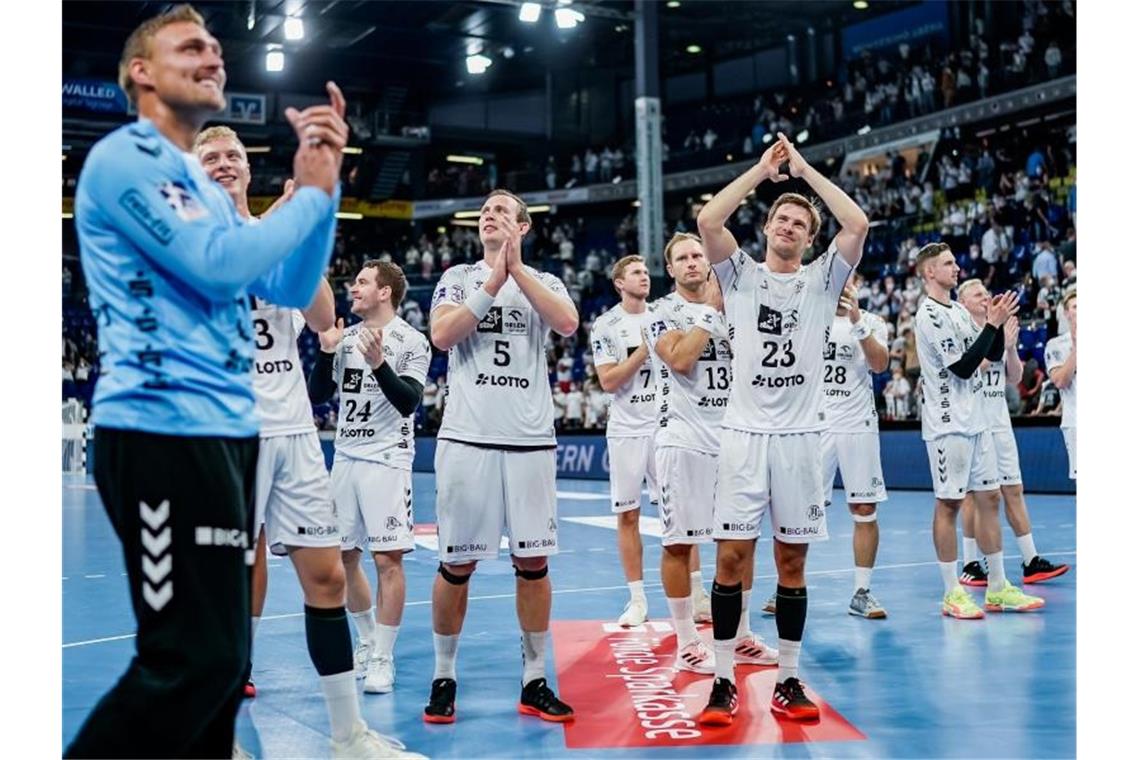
(422, 45)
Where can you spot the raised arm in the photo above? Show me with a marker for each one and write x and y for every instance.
(874, 346)
(455, 313)
(321, 314)
(852, 221)
(555, 308)
(1013, 365)
(1062, 374)
(681, 349)
(614, 375)
(718, 242)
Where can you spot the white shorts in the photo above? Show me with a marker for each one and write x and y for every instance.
(856, 455)
(961, 463)
(688, 482)
(292, 498)
(758, 471)
(1071, 446)
(479, 492)
(1008, 462)
(631, 462)
(373, 506)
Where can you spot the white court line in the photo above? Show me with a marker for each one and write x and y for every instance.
(95, 575)
(587, 590)
(583, 496)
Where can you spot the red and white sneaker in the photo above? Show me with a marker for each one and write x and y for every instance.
(751, 650)
(790, 701)
(722, 704)
(696, 657)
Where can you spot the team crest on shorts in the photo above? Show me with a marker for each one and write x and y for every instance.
(815, 513)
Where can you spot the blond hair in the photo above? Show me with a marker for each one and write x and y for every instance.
(797, 200)
(1070, 294)
(523, 214)
(209, 134)
(673, 241)
(622, 264)
(971, 283)
(138, 44)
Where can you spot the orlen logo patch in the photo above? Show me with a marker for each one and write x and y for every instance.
(625, 693)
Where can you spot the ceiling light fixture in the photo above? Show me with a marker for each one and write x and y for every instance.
(294, 28)
(530, 12)
(567, 18)
(275, 60)
(459, 159)
(478, 63)
(694, 49)
(860, 5)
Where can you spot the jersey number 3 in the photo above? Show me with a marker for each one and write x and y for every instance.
(262, 328)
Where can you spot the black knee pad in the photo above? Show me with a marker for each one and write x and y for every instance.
(452, 578)
(531, 575)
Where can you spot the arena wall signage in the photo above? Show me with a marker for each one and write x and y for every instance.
(94, 95)
(925, 21)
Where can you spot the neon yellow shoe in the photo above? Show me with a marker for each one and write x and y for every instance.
(959, 604)
(1012, 599)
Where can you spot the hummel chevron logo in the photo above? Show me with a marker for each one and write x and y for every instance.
(158, 599)
(154, 517)
(156, 544)
(156, 572)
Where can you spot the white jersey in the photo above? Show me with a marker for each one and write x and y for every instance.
(278, 382)
(1057, 352)
(498, 388)
(368, 427)
(848, 396)
(949, 404)
(993, 406)
(692, 405)
(777, 324)
(617, 334)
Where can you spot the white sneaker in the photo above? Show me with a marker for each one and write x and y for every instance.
(361, 655)
(636, 613)
(366, 743)
(702, 607)
(696, 657)
(751, 650)
(381, 675)
(239, 753)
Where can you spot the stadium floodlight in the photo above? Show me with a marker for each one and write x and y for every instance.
(860, 5)
(767, 138)
(694, 49)
(567, 18)
(294, 28)
(275, 60)
(530, 12)
(863, 130)
(539, 209)
(802, 137)
(673, 4)
(478, 63)
(456, 158)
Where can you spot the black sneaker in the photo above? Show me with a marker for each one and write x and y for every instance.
(722, 704)
(1040, 569)
(973, 574)
(538, 699)
(790, 701)
(441, 704)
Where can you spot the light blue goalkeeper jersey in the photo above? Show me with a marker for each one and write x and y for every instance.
(170, 267)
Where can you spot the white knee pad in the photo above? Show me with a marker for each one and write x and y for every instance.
(865, 518)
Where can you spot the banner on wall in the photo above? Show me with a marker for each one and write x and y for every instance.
(94, 95)
(243, 108)
(926, 21)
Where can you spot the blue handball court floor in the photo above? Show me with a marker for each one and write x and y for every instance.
(915, 685)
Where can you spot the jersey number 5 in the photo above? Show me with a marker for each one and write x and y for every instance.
(502, 353)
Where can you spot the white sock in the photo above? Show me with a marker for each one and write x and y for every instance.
(384, 640)
(342, 703)
(725, 651)
(997, 571)
(1028, 549)
(744, 628)
(681, 610)
(949, 572)
(445, 649)
(534, 655)
(637, 591)
(253, 621)
(969, 550)
(696, 584)
(365, 624)
(863, 578)
(789, 660)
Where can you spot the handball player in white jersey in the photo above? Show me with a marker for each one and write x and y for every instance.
(995, 376)
(379, 366)
(1061, 364)
(692, 364)
(622, 361)
(778, 313)
(856, 347)
(494, 461)
(958, 443)
(293, 507)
